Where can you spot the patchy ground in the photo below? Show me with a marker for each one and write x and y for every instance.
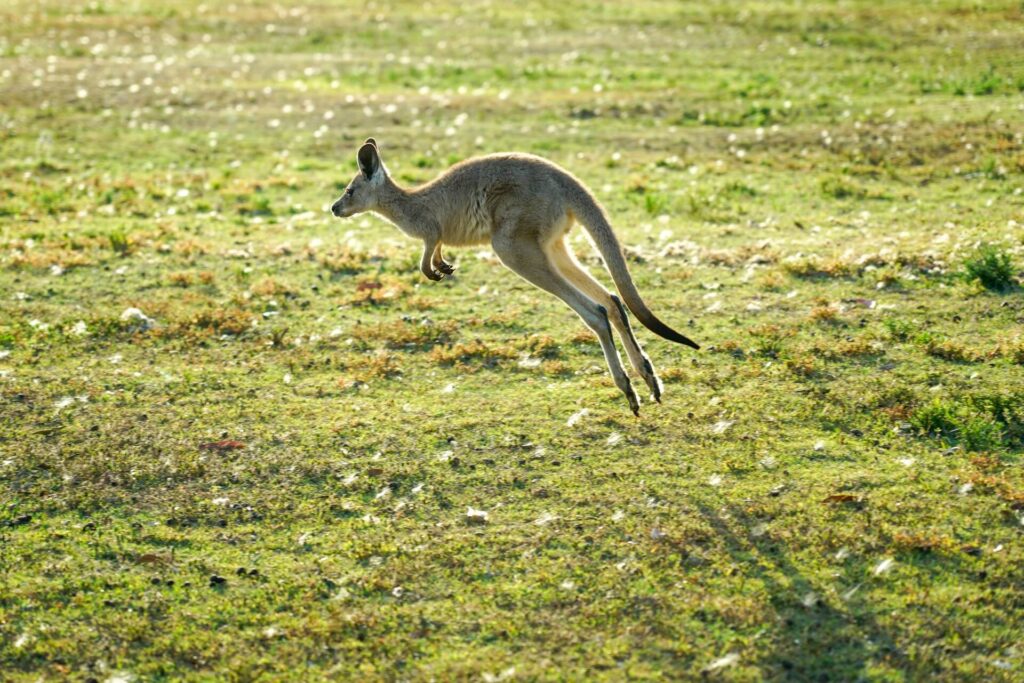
(240, 439)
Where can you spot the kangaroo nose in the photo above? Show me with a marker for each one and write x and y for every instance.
(336, 209)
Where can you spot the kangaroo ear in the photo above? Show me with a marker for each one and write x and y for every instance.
(369, 160)
(370, 141)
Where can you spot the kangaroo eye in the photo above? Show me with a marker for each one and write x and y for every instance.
(350, 191)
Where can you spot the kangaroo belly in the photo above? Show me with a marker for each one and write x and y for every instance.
(471, 225)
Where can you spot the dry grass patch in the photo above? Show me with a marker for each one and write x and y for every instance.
(363, 369)
(377, 291)
(847, 348)
(802, 365)
(771, 280)
(344, 261)
(540, 345)
(915, 542)
(814, 267)
(42, 258)
(824, 314)
(180, 279)
(190, 248)
(469, 353)
(950, 350)
(403, 334)
(1013, 351)
(269, 286)
(213, 321)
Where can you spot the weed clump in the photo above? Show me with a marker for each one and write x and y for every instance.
(120, 243)
(837, 188)
(769, 339)
(970, 424)
(899, 330)
(992, 267)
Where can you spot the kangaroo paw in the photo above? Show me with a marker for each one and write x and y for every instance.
(445, 267)
(634, 400)
(653, 383)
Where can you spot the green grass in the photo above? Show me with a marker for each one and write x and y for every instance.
(264, 471)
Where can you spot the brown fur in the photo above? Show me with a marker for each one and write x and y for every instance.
(523, 206)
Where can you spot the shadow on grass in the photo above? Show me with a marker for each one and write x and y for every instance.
(818, 637)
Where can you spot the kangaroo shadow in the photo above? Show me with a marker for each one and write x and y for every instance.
(819, 635)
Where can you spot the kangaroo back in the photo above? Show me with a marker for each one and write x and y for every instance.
(590, 214)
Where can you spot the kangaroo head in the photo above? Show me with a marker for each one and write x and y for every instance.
(362, 193)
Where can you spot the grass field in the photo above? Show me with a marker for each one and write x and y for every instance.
(264, 472)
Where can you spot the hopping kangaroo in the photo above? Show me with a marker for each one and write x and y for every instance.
(524, 206)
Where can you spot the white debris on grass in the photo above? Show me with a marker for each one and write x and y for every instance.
(121, 677)
(576, 417)
(474, 516)
(68, 401)
(848, 595)
(722, 425)
(721, 663)
(141, 321)
(498, 677)
(545, 518)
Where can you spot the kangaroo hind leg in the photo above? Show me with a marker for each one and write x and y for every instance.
(570, 268)
(524, 255)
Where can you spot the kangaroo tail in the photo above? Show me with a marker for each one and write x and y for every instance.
(590, 214)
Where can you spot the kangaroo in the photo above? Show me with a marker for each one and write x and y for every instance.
(523, 206)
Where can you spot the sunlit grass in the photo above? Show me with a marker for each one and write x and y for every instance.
(242, 439)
